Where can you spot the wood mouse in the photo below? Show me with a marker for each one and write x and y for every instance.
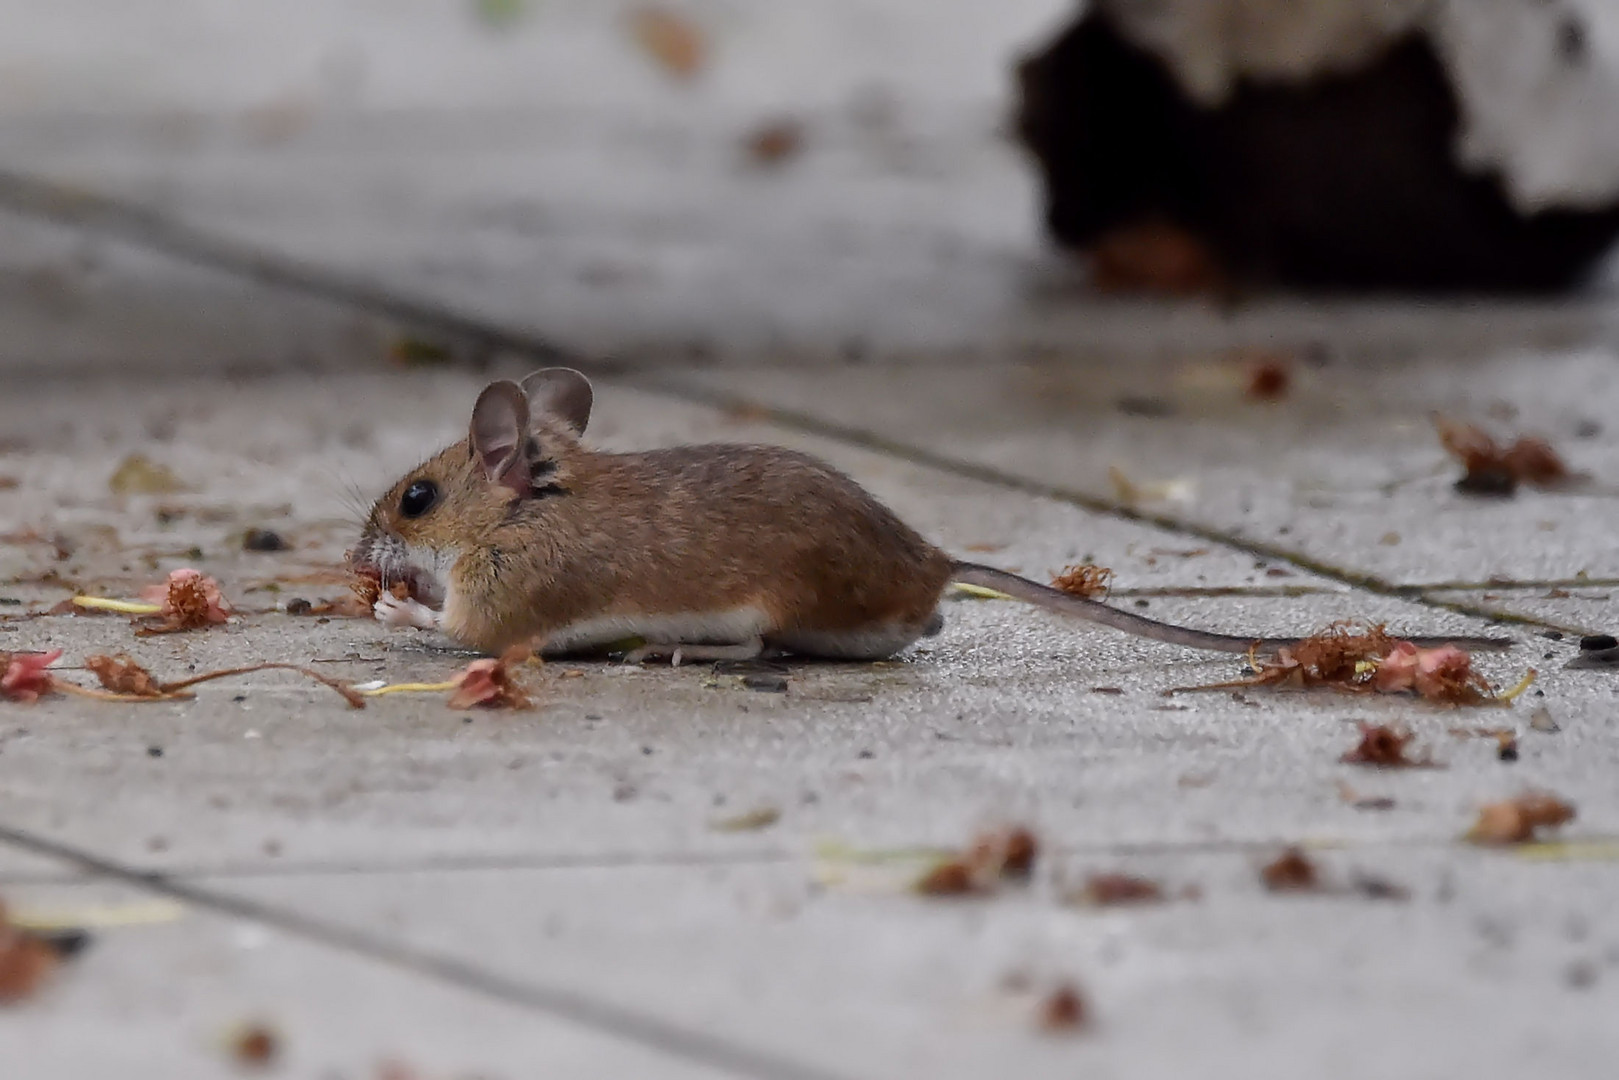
(520, 534)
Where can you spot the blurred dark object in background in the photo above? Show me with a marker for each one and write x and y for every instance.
(1345, 179)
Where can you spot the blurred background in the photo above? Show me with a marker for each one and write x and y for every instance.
(843, 180)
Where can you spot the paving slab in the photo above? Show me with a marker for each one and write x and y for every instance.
(164, 988)
(1481, 970)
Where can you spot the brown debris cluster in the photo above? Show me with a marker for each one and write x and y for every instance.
(1362, 658)
(1063, 1011)
(1270, 378)
(491, 684)
(671, 40)
(1112, 890)
(122, 675)
(1292, 871)
(1000, 855)
(256, 1046)
(1515, 821)
(774, 143)
(1384, 747)
(1492, 469)
(28, 959)
(1084, 579)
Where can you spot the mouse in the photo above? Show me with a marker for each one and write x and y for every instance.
(522, 535)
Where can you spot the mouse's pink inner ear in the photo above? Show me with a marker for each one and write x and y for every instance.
(499, 429)
(561, 394)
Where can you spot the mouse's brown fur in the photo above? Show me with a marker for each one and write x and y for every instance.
(520, 534)
(601, 536)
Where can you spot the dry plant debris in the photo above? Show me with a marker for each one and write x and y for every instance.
(1363, 802)
(26, 679)
(1384, 747)
(774, 143)
(122, 675)
(1000, 855)
(1516, 820)
(1154, 257)
(1270, 377)
(1492, 469)
(761, 817)
(1084, 579)
(1063, 1011)
(1110, 890)
(677, 46)
(1361, 658)
(1292, 871)
(256, 1046)
(139, 475)
(28, 958)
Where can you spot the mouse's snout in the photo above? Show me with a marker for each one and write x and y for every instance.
(387, 557)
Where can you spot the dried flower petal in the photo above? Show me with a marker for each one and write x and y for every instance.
(490, 683)
(25, 677)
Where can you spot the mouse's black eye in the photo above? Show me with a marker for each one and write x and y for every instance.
(418, 498)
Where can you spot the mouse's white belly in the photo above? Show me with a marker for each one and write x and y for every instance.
(734, 627)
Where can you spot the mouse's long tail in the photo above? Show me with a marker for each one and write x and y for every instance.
(1080, 607)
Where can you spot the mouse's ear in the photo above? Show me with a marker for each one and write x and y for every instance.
(562, 394)
(499, 432)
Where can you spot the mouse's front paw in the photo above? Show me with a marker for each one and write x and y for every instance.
(392, 611)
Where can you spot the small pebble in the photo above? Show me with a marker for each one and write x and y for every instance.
(263, 540)
(1541, 720)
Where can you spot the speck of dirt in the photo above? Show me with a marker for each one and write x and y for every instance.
(154, 751)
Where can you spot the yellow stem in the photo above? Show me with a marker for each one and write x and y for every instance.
(412, 688)
(123, 607)
(1507, 697)
(978, 591)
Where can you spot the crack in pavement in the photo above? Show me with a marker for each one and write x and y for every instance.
(712, 1051)
(34, 197)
